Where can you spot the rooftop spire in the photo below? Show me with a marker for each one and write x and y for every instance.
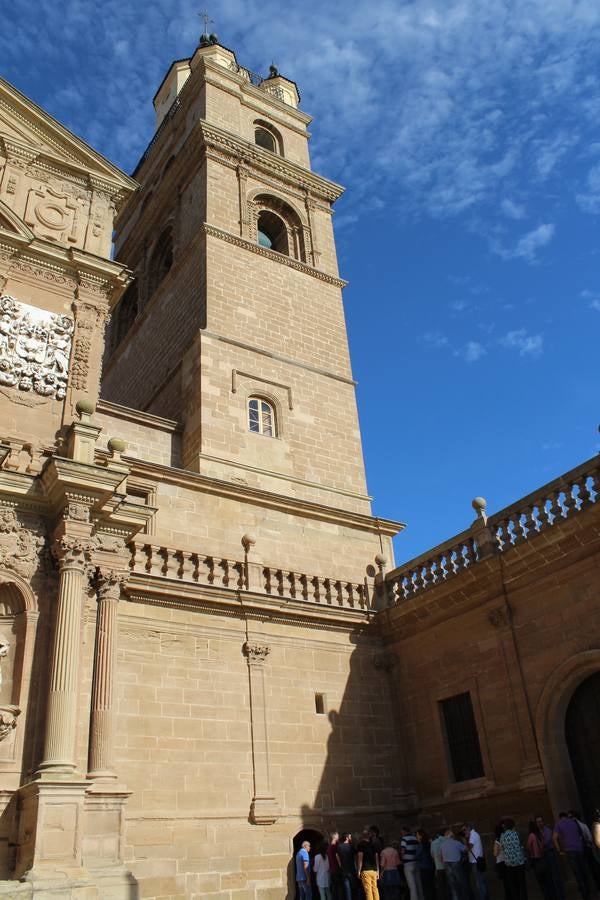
(207, 39)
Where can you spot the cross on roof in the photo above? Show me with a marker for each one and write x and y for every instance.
(204, 15)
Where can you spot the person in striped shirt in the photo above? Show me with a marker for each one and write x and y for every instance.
(410, 846)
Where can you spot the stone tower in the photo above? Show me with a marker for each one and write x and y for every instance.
(235, 325)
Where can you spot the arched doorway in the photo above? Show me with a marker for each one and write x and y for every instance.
(582, 732)
(315, 838)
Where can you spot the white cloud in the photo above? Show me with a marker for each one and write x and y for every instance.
(471, 352)
(593, 299)
(513, 210)
(528, 245)
(435, 339)
(527, 344)
(590, 200)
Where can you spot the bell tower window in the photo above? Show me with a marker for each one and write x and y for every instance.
(267, 137)
(272, 232)
(261, 417)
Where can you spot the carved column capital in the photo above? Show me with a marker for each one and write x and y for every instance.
(72, 552)
(256, 652)
(110, 584)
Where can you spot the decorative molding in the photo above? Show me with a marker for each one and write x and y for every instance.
(256, 653)
(272, 254)
(235, 374)
(35, 346)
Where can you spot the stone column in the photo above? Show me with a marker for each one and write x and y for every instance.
(264, 809)
(61, 719)
(102, 718)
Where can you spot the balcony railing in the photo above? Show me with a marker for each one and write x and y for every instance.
(541, 510)
(188, 567)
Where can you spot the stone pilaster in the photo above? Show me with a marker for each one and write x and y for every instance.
(61, 720)
(264, 809)
(102, 718)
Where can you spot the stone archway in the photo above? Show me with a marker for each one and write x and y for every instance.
(583, 740)
(316, 838)
(550, 720)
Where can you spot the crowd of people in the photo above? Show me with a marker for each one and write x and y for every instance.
(453, 864)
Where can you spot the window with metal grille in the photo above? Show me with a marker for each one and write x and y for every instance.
(462, 740)
(261, 417)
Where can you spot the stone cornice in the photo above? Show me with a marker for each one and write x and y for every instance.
(206, 484)
(272, 254)
(135, 415)
(249, 154)
(231, 602)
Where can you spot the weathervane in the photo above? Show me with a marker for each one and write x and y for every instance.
(207, 39)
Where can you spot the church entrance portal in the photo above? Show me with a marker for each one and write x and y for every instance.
(582, 731)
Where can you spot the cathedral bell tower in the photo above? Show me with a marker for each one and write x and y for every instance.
(234, 325)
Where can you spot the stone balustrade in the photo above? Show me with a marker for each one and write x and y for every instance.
(556, 501)
(214, 571)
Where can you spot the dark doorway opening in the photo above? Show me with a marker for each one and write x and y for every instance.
(582, 730)
(316, 839)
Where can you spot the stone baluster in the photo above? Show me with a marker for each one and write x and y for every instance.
(61, 720)
(264, 808)
(102, 719)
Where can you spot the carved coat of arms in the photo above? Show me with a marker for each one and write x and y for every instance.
(35, 347)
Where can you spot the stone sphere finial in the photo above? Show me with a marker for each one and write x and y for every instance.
(380, 560)
(117, 445)
(479, 505)
(85, 407)
(248, 541)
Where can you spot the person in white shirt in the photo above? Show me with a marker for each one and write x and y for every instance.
(321, 868)
(476, 858)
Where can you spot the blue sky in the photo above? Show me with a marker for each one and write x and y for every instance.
(466, 133)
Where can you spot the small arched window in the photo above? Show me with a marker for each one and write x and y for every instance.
(267, 137)
(261, 417)
(160, 261)
(272, 232)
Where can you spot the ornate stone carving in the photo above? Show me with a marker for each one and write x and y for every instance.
(110, 583)
(78, 512)
(19, 546)
(90, 326)
(73, 552)
(8, 720)
(256, 653)
(34, 349)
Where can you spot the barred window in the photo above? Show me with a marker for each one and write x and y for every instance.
(462, 739)
(261, 417)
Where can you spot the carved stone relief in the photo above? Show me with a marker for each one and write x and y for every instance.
(35, 346)
(20, 546)
(55, 215)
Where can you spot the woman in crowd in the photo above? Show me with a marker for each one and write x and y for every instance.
(534, 847)
(321, 868)
(514, 858)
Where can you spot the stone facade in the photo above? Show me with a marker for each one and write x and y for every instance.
(205, 648)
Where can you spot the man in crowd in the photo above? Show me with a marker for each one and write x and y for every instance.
(568, 841)
(453, 852)
(345, 854)
(441, 883)
(410, 848)
(367, 865)
(477, 861)
(303, 872)
(335, 871)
